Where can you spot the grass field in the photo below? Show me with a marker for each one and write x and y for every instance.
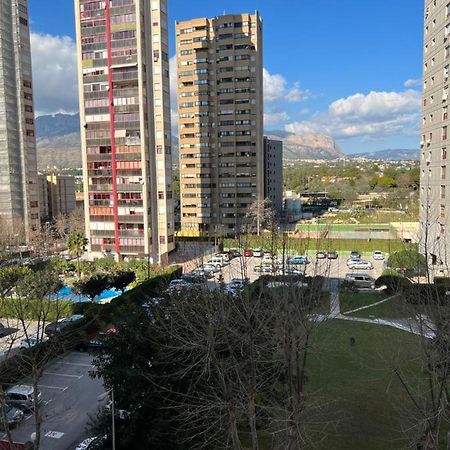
(394, 308)
(344, 227)
(302, 246)
(361, 396)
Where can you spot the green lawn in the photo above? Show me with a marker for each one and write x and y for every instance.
(302, 246)
(356, 384)
(392, 309)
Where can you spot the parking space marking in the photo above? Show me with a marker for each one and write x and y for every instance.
(29, 416)
(43, 386)
(54, 434)
(76, 364)
(63, 375)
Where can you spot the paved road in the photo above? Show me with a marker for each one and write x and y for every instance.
(70, 397)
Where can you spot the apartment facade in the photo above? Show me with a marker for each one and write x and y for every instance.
(57, 195)
(435, 144)
(124, 96)
(273, 173)
(19, 190)
(220, 107)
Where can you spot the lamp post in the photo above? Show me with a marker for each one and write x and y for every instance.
(102, 397)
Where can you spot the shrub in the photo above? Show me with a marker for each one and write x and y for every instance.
(409, 261)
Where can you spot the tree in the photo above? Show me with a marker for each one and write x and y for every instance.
(121, 279)
(77, 243)
(93, 286)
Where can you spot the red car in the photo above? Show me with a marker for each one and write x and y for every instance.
(248, 252)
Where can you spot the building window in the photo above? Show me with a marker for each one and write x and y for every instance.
(444, 133)
(444, 153)
(23, 21)
(443, 172)
(161, 195)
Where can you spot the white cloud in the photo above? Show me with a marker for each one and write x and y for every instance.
(412, 83)
(54, 73)
(375, 115)
(277, 88)
(274, 118)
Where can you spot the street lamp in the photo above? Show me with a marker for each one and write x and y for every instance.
(102, 397)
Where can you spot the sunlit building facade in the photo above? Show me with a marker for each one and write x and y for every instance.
(126, 131)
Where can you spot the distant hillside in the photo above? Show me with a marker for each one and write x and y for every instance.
(391, 155)
(58, 141)
(307, 146)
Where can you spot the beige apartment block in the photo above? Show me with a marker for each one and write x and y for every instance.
(435, 144)
(124, 85)
(19, 190)
(220, 107)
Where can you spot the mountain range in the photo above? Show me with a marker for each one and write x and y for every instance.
(58, 144)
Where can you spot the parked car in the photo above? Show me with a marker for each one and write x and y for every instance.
(378, 255)
(193, 278)
(58, 326)
(303, 260)
(234, 253)
(3, 331)
(30, 342)
(224, 256)
(21, 396)
(211, 268)
(88, 443)
(13, 417)
(178, 285)
(321, 254)
(332, 255)
(286, 271)
(355, 254)
(258, 252)
(359, 264)
(361, 280)
(216, 261)
(94, 343)
(248, 252)
(264, 268)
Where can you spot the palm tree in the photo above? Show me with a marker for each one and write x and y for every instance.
(77, 246)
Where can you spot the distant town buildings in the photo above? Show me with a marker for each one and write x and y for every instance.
(56, 195)
(123, 65)
(273, 173)
(220, 105)
(435, 176)
(19, 195)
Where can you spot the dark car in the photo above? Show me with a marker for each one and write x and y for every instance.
(234, 253)
(193, 278)
(95, 343)
(332, 255)
(355, 254)
(3, 331)
(13, 416)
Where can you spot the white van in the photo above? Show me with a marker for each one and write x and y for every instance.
(361, 280)
(216, 261)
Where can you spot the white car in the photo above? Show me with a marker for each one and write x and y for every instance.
(360, 265)
(86, 444)
(257, 252)
(30, 342)
(378, 255)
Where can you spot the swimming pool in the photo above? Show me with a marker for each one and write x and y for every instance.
(66, 293)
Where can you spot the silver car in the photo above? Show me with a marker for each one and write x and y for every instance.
(21, 396)
(360, 264)
(13, 417)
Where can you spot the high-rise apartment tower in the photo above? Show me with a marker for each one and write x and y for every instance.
(220, 105)
(19, 190)
(125, 121)
(435, 143)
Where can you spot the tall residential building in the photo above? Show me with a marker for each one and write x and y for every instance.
(220, 105)
(435, 144)
(273, 173)
(57, 195)
(19, 190)
(123, 66)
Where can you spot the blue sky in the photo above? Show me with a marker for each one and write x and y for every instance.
(337, 67)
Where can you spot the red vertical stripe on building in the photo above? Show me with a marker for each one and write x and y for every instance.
(112, 127)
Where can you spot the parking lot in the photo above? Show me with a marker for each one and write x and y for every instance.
(244, 267)
(69, 397)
